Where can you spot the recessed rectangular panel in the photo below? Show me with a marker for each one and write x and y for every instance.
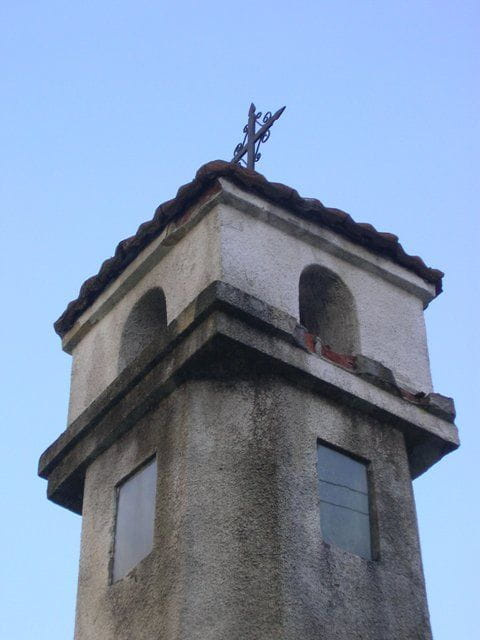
(135, 519)
(344, 501)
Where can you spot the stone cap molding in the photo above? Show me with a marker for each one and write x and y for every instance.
(221, 334)
(205, 183)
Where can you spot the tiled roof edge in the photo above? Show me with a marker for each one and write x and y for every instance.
(127, 250)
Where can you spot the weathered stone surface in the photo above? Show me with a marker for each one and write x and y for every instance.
(206, 183)
(226, 332)
(442, 406)
(232, 395)
(234, 236)
(374, 371)
(238, 550)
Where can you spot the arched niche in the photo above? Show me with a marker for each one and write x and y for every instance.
(327, 309)
(147, 319)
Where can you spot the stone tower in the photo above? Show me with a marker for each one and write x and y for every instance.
(250, 401)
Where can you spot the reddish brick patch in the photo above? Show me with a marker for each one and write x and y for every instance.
(310, 341)
(342, 359)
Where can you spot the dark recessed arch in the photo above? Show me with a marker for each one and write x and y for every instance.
(327, 309)
(147, 319)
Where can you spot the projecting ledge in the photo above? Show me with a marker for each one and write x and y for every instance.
(228, 334)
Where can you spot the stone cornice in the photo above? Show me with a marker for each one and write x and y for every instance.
(222, 334)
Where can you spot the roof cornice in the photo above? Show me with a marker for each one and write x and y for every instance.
(206, 182)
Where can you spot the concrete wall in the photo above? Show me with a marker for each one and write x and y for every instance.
(190, 265)
(238, 552)
(249, 248)
(267, 262)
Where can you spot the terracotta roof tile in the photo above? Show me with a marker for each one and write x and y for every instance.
(206, 182)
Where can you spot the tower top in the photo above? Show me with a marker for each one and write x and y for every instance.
(250, 400)
(205, 185)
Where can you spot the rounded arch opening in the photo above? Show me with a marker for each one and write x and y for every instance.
(327, 309)
(146, 320)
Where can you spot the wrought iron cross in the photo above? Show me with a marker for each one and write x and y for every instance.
(253, 139)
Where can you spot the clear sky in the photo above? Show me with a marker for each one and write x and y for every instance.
(108, 107)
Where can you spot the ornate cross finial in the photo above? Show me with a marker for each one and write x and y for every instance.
(252, 140)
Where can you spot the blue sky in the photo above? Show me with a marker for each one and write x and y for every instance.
(108, 107)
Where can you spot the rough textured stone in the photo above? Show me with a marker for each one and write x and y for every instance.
(375, 372)
(232, 395)
(223, 330)
(235, 236)
(442, 406)
(238, 552)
